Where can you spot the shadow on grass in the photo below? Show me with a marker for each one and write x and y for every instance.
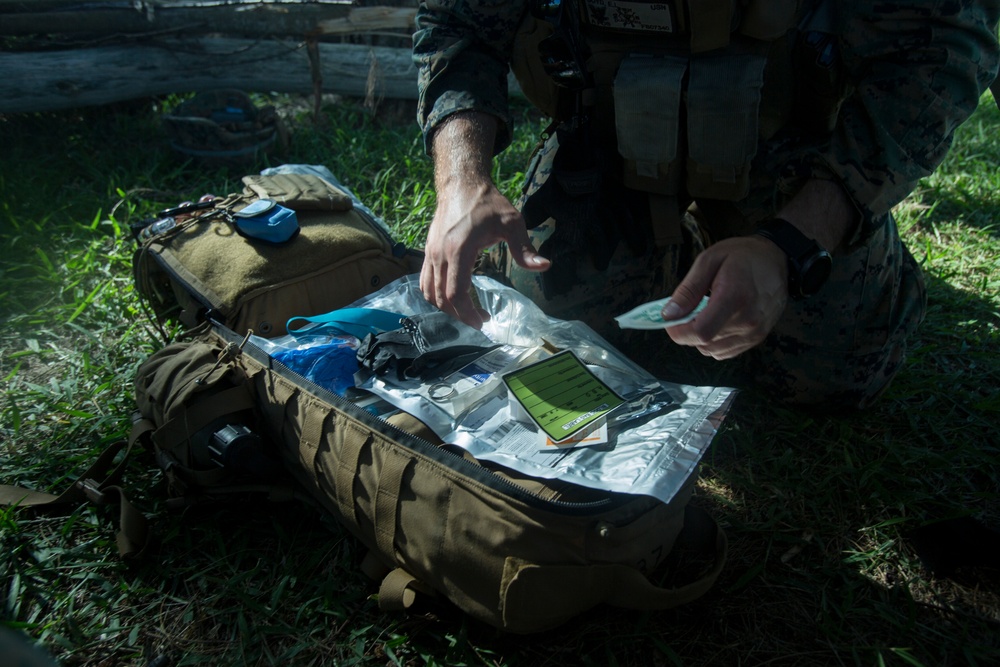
(973, 209)
(820, 506)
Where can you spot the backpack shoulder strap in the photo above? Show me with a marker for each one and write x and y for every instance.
(99, 485)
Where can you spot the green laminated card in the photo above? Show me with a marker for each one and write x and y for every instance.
(561, 395)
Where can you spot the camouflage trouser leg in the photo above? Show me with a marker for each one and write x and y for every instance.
(837, 349)
(841, 347)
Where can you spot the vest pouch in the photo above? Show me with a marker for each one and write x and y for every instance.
(647, 94)
(723, 103)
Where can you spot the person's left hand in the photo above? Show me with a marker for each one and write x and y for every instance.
(748, 280)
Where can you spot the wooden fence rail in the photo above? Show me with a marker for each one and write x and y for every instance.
(120, 50)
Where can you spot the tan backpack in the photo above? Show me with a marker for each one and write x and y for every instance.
(518, 553)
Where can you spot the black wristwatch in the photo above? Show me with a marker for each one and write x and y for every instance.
(809, 264)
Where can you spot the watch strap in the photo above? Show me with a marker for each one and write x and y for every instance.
(786, 236)
(804, 255)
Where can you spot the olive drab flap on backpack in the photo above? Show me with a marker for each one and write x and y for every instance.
(212, 261)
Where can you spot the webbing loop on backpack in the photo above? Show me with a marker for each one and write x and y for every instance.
(400, 589)
(132, 535)
(313, 421)
(349, 453)
(387, 496)
(102, 472)
(396, 592)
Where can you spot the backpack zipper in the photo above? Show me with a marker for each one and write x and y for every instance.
(416, 443)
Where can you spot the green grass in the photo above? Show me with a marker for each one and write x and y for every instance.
(817, 508)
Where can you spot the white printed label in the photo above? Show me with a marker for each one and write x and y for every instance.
(624, 15)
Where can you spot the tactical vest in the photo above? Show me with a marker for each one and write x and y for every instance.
(682, 91)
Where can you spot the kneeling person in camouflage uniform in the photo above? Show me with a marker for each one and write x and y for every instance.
(751, 152)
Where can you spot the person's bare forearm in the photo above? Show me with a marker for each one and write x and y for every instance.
(462, 151)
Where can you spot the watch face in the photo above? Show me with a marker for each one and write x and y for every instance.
(814, 272)
(809, 264)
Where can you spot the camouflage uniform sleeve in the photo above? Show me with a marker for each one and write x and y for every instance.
(461, 49)
(917, 71)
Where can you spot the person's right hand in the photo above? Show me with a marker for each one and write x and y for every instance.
(470, 217)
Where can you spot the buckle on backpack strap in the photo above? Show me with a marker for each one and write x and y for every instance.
(92, 489)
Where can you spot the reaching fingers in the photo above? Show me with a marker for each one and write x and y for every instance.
(447, 286)
(458, 296)
(475, 220)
